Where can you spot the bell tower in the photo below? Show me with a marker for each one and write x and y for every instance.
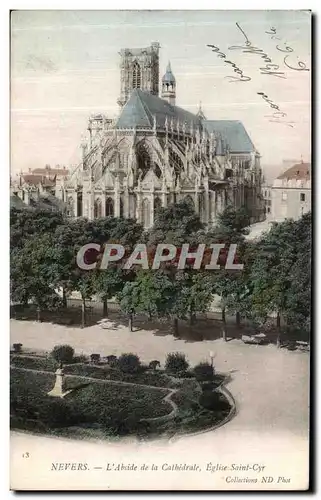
(169, 86)
(139, 69)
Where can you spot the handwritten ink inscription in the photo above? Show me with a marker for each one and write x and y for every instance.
(276, 115)
(288, 49)
(221, 55)
(269, 68)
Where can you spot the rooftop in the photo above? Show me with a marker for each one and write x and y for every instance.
(233, 134)
(297, 171)
(142, 107)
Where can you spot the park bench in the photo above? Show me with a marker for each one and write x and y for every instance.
(259, 338)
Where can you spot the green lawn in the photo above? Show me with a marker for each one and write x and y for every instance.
(114, 407)
(103, 409)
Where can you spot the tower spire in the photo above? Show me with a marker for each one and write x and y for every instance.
(169, 85)
(200, 113)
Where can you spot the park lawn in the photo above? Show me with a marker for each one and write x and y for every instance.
(144, 377)
(114, 408)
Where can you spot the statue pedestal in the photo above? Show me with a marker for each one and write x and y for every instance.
(58, 390)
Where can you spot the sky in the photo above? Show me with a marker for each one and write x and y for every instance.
(65, 66)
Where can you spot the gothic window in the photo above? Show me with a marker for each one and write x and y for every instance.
(79, 204)
(188, 199)
(143, 159)
(136, 76)
(121, 208)
(109, 207)
(70, 205)
(157, 204)
(175, 161)
(97, 208)
(157, 171)
(146, 213)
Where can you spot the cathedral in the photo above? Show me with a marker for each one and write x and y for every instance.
(153, 154)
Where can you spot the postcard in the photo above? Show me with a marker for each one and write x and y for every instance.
(160, 250)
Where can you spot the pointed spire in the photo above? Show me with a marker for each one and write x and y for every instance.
(169, 77)
(200, 113)
(169, 85)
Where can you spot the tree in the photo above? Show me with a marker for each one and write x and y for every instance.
(31, 273)
(106, 283)
(25, 224)
(281, 274)
(150, 294)
(68, 240)
(231, 285)
(176, 224)
(193, 294)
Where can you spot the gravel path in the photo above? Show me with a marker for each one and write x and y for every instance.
(270, 386)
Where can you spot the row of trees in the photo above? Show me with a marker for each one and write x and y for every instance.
(275, 279)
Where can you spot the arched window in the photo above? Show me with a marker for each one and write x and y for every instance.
(70, 206)
(188, 199)
(121, 208)
(136, 76)
(146, 213)
(157, 204)
(143, 159)
(97, 208)
(79, 204)
(109, 207)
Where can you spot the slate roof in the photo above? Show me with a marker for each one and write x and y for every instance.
(50, 171)
(140, 109)
(233, 134)
(298, 171)
(169, 77)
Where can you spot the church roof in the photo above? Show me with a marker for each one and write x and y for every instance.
(141, 107)
(233, 133)
(169, 77)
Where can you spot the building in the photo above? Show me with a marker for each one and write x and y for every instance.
(37, 188)
(291, 193)
(267, 199)
(156, 153)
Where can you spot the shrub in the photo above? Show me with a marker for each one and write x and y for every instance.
(203, 372)
(176, 362)
(63, 353)
(34, 363)
(80, 359)
(153, 365)
(208, 386)
(112, 360)
(95, 358)
(128, 363)
(17, 347)
(213, 401)
(184, 374)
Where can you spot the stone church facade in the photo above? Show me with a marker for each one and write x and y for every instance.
(156, 153)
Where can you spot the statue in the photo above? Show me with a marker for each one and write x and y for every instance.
(59, 389)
